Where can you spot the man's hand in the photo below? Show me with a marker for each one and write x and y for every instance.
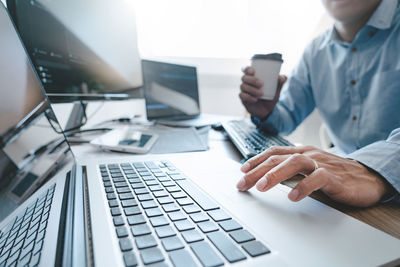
(343, 180)
(250, 92)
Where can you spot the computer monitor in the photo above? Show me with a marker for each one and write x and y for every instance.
(31, 141)
(81, 49)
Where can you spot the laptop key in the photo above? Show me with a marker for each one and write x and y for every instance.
(176, 216)
(182, 258)
(121, 231)
(132, 211)
(192, 236)
(115, 211)
(130, 260)
(230, 225)
(197, 195)
(172, 243)
(170, 207)
(111, 196)
(184, 225)
(161, 193)
(199, 217)
(255, 248)
(165, 231)
(137, 185)
(136, 219)
(153, 212)
(219, 215)
(140, 191)
(191, 209)
(149, 204)
(225, 245)
(151, 255)
(207, 256)
(142, 229)
(165, 200)
(113, 203)
(159, 221)
(118, 221)
(122, 190)
(179, 195)
(242, 236)
(173, 189)
(144, 197)
(146, 241)
(125, 244)
(129, 203)
(207, 227)
(126, 196)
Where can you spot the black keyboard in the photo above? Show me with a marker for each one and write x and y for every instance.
(249, 140)
(21, 241)
(161, 216)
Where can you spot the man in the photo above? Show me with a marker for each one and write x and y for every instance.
(351, 74)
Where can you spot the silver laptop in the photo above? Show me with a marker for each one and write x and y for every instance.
(153, 210)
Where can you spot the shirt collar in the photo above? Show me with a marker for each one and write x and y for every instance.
(381, 19)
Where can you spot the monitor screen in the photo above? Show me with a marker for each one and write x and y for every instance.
(80, 47)
(32, 147)
(170, 90)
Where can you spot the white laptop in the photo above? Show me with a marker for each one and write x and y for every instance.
(157, 210)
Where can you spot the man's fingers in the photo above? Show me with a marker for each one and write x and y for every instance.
(246, 98)
(251, 178)
(313, 182)
(251, 80)
(277, 150)
(251, 90)
(248, 70)
(294, 164)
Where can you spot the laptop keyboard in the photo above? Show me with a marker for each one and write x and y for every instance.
(156, 211)
(21, 241)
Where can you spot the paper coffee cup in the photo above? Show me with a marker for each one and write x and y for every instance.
(267, 68)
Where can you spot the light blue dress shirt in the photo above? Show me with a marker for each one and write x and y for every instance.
(356, 89)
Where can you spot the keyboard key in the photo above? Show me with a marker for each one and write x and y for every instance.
(153, 212)
(137, 185)
(129, 203)
(227, 248)
(121, 231)
(113, 203)
(159, 221)
(152, 182)
(184, 225)
(115, 211)
(123, 190)
(149, 204)
(140, 191)
(176, 216)
(242, 236)
(136, 219)
(165, 231)
(179, 195)
(146, 241)
(120, 184)
(118, 221)
(38, 247)
(191, 209)
(125, 244)
(207, 227)
(219, 215)
(198, 196)
(126, 196)
(165, 200)
(156, 188)
(199, 217)
(111, 196)
(184, 201)
(132, 211)
(230, 225)
(173, 189)
(151, 255)
(255, 248)
(144, 197)
(142, 229)
(167, 184)
(192, 236)
(207, 256)
(182, 258)
(172, 243)
(171, 207)
(109, 190)
(161, 193)
(130, 260)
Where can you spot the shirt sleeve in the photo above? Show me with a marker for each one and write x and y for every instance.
(295, 103)
(383, 157)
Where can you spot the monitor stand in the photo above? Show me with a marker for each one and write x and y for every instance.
(76, 117)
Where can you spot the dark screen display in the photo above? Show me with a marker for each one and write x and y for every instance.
(78, 46)
(171, 90)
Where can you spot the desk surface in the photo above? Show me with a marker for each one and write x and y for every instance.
(385, 217)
